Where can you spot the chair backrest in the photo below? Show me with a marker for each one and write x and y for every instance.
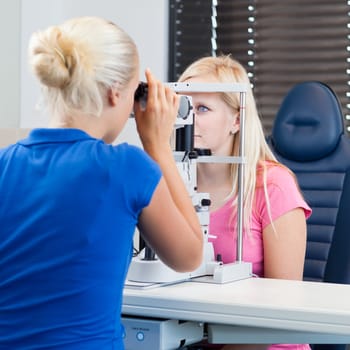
(308, 136)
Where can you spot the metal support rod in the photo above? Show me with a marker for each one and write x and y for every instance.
(241, 165)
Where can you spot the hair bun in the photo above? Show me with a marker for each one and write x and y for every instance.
(52, 57)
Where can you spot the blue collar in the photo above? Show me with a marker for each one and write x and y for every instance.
(46, 135)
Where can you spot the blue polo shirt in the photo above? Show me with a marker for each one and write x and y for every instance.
(69, 204)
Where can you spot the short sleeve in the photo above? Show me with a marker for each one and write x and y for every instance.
(140, 175)
(284, 195)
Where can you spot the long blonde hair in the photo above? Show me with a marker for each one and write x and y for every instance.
(225, 69)
(78, 61)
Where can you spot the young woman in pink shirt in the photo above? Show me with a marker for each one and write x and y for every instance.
(275, 213)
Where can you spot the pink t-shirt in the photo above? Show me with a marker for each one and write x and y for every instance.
(284, 196)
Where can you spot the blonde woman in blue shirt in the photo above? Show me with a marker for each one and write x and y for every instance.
(70, 201)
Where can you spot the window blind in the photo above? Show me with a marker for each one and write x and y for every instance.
(280, 43)
(190, 33)
(288, 42)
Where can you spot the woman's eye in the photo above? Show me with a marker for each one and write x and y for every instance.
(202, 109)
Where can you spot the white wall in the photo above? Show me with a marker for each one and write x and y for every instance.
(145, 21)
(9, 63)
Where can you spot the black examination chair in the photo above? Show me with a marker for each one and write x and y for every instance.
(308, 136)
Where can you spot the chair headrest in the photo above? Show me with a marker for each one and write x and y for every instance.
(309, 122)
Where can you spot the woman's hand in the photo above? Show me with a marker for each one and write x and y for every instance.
(155, 122)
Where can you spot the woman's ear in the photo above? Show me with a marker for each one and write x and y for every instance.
(235, 125)
(113, 96)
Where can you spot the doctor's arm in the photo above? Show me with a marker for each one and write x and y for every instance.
(169, 224)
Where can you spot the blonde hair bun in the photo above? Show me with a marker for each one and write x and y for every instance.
(78, 61)
(52, 57)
